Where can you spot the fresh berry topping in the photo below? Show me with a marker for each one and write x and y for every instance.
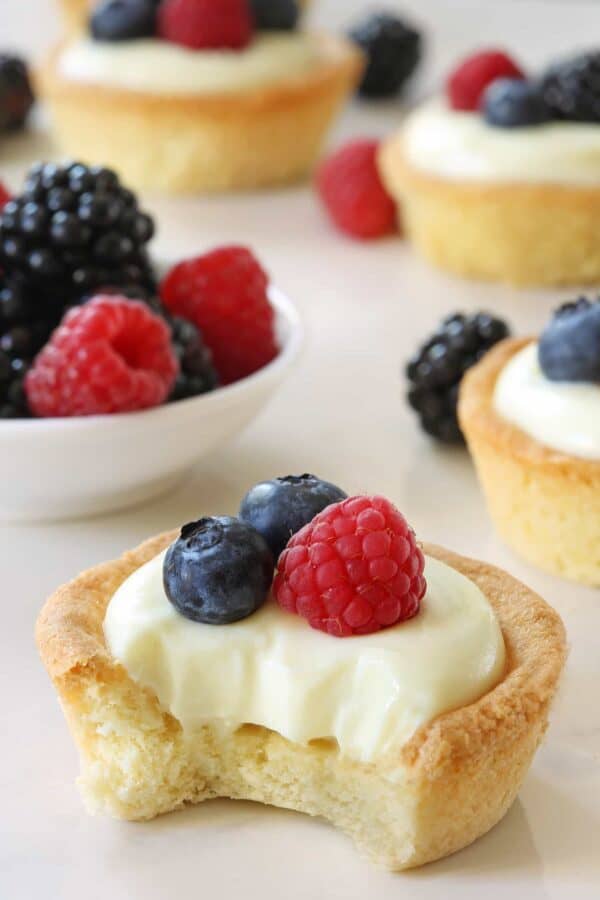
(197, 373)
(393, 50)
(123, 20)
(206, 25)
(73, 230)
(277, 15)
(281, 507)
(5, 196)
(355, 569)
(224, 293)
(16, 95)
(569, 347)
(435, 372)
(353, 193)
(572, 88)
(466, 84)
(218, 571)
(109, 355)
(514, 103)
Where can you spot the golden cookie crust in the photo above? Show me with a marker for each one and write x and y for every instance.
(545, 503)
(204, 142)
(449, 784)
(515, 232)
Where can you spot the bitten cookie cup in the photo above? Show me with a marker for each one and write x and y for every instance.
(520, 233)
(453, 780)
(544, 503)
(204, 142)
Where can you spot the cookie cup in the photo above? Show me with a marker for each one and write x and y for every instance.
(453, 780)
(544, 503)
(520, 233)
(214, 141)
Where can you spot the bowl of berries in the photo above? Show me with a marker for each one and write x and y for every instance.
(114, 378)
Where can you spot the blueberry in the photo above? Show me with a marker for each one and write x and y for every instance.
(514, 103)
(281, 507)
(278, 15)
(218, 571)
(123, 20)
(569, 347)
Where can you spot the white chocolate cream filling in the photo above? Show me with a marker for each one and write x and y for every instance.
(453, 144)
(562, 415)
(159, 67)
(369, 693)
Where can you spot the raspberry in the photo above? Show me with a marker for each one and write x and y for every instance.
(204, 24)
(110, 355)
(466, 84)
(5, 196)
(224, 293)
(355, 569)
(352, 191)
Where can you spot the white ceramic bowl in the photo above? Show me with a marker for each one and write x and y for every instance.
(64, 468)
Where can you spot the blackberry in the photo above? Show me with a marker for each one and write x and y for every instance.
(278, 15)
(73, 230)
(571, 89)
(16, 95)
(197, 374)
(393, 51)
(435, 372)
(21, 336)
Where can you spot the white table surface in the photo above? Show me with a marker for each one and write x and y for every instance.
(341, 415)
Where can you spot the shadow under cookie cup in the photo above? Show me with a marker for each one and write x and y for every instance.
(450, 783)
(521, 233)
(544, 503)
(205, 142)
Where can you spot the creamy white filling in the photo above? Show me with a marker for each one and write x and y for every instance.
(561, 415)
(369, 693)
(160, 67)
(453, 144)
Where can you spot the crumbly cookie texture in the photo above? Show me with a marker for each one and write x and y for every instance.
(545, 504)
(519, 233)
(204, 142)
(448, 785)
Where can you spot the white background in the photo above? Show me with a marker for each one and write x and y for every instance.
(342, 415)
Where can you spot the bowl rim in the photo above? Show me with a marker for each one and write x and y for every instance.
(284, 308)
